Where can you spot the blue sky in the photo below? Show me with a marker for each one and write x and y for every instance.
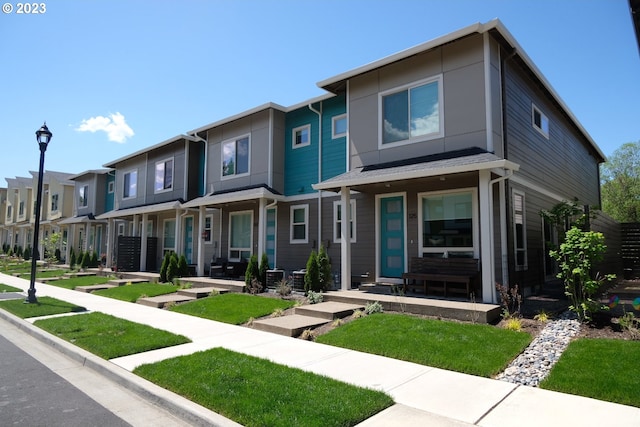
(146, 71)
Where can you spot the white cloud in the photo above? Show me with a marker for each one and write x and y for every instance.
(115, 126)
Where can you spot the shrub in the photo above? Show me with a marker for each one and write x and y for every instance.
(373, 307)
(308, 335)
(26, 254)
(543, 316)
(283, 288)
(86, 257)
(183, 267)
(164, 266)
(315, 297)
(576, 256)
(254, 287)
(358, 314)
(172, 268)
(57, 253)
(513, 324)
(312, 274)
(325, 278)
(510, 300)
(262, 270)
(93, 263)
(72, 259)
(278, 312)
(251, 271)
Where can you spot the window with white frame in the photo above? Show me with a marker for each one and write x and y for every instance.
(540, 121)
(83, 193)
(240, 235)
(411, 113)
(448, 225)
(164, 176)
(519, 231)
(130, 186)
(21, 208)
(111, 187)
(337, 219)
(54, 202)
(169, 236)
(208, 229)
(299, 224)
(235, 157)
(10, 212)
(301, 136)
(338, 126)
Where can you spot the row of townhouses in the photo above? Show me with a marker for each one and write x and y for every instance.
(448, 149)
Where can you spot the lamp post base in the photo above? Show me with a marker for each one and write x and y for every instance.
(31, 297)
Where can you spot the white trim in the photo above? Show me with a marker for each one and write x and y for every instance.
(111, 187)
(306, 224)
(124, 174)
(336, 233)
(84, 196)
(378, 235)
(294, 132)
(334, 119)
(175, 236)
(475, 232)
(155, 175)
(543, 120)
(516, 179)
(407, 87)
(235, 140)
(516, 249)
(204, 228)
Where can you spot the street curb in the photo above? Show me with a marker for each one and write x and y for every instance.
(177, 405)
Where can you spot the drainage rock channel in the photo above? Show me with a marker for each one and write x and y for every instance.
(535, 363)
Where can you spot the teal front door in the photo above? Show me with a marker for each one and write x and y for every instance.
(392, 236)
(188, 239)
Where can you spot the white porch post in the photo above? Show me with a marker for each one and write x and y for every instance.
(262, 226)
(143, 243)
(486, 237)
(178, 241)
(345, 239)
(202, 212)
(110, 241)
(135, 225)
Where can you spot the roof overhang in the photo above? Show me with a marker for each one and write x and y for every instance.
(223, 198)
(362, 177)
(82, 219)
(140, 210)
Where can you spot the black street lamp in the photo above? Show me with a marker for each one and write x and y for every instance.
(43, 136)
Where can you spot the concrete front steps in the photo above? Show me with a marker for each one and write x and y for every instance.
(110, 284)
(183, 295)
(306, 317)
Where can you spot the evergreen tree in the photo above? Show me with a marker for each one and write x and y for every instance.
(164, 266)
(324, 269)
(183, 267)
(94, 260)
(262, 270)
(72, 259)
(86, 259)
(252, 270)
(311, 276)
(172, 268)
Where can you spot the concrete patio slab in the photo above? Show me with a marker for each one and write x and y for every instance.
(291, 326)
(404, 416)
(162, 300)
(328, 310)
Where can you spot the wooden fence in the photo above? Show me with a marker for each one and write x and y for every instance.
(630, 249)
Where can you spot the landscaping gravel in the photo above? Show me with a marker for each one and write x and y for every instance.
(535, 363)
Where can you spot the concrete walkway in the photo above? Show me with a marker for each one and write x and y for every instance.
(423, 395)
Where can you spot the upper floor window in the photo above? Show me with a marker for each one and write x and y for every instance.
(130, 188)
(9, 212)
(235, 157)
(83, 194)
(301, 136)
(299, 224)
(540, 121)
(412, 113)
(21, 209)
(164, 175)
(54, 203)
(111, 187)
(338, 126)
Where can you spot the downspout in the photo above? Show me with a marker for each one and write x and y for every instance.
(319, 113)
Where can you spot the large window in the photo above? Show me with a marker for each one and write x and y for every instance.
(412, 113)
(169, 236)
(240, 235)
(130, 184)
(448, 225)
(337, 216)
(299, 224)
(301, 136)
(235, 157)
(54, 202)
(164, 175)
(83, 194)
(519, 231)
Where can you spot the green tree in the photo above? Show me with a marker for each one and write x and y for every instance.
(183, 267)
(86, 260)
(172, 268)
(164, 266)
(262, 270)
(620, 183)
(312, 275)
(51, 243)
(324, 269)
(252, 270)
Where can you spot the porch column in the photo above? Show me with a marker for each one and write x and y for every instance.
(202, 212)
(345, 239)
(178, 247)
(262, 226)
(486, 238)
(135, 225)
(110, 241)
(143, 243)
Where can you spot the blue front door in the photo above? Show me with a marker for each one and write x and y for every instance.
(188, 239)
(391, 236)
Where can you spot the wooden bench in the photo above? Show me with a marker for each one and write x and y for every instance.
(445, 271)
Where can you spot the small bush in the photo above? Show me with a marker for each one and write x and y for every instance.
(513, 324)
(164, 266)
(86, 259)
(172, 268)
(312, 274)
(541, 317)
(358, 314)
(26, 254)
(278, 312)
(373, 307)
(283, 288)
(252, 271)
(315, 297)
(183, 267)
(308, 335)
(262, 270)
(254, 287)
(510, 300)
(337, 322)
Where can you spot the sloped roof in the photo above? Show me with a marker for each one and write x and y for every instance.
(234, 196)
(139, 210)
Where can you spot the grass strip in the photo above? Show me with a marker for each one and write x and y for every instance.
(108, 336)
(258, 392)
(232, 308)
(481, 350)
(45, 306)
(7, 288)
(133, 292)
(604, 369)
(74, 282)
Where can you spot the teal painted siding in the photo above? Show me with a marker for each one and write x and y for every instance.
(301, 164)
(109, 197)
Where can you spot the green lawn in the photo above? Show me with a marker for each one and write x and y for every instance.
(44, 307)
(74, 282)
(257, 392)
(7, 288)
(108, 336)
(604, 369)
(482, 350)
(131, 293)
(232, 308)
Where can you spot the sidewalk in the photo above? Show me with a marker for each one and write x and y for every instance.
(423, 395)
